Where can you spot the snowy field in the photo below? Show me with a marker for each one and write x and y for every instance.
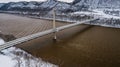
(14, 57)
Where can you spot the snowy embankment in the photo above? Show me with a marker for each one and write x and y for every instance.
(5, 61)
(96, 14)
(105, 20)
(14, 57)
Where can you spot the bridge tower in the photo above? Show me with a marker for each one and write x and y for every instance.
(54, 25)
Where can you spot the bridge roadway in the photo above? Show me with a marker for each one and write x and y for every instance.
(33, 36)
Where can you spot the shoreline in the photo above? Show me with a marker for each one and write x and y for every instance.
(66, 20)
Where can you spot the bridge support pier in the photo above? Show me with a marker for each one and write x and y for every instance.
(55, 37)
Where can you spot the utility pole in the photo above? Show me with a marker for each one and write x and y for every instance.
(54, 25)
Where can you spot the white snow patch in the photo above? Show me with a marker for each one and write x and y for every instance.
(6, 61)
(1, 41)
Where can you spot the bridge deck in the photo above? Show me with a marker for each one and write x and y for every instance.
(39, 34)
(27, 25)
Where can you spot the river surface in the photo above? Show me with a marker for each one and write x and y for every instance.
(93, 47)
(80, 46)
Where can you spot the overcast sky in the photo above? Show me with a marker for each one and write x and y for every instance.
(30, 0)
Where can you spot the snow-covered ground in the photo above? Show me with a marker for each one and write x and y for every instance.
(1, 41)
(96, 13)
(105, 20)
(5, 61)
(14, 57)
(101, 14)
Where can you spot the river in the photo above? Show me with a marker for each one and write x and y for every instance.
(80, 46)
(93, 47)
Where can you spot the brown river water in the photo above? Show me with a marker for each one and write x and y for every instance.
(78, 47)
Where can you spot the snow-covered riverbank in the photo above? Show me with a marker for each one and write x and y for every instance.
(14, 57)
(96, 14)
(5, 61)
